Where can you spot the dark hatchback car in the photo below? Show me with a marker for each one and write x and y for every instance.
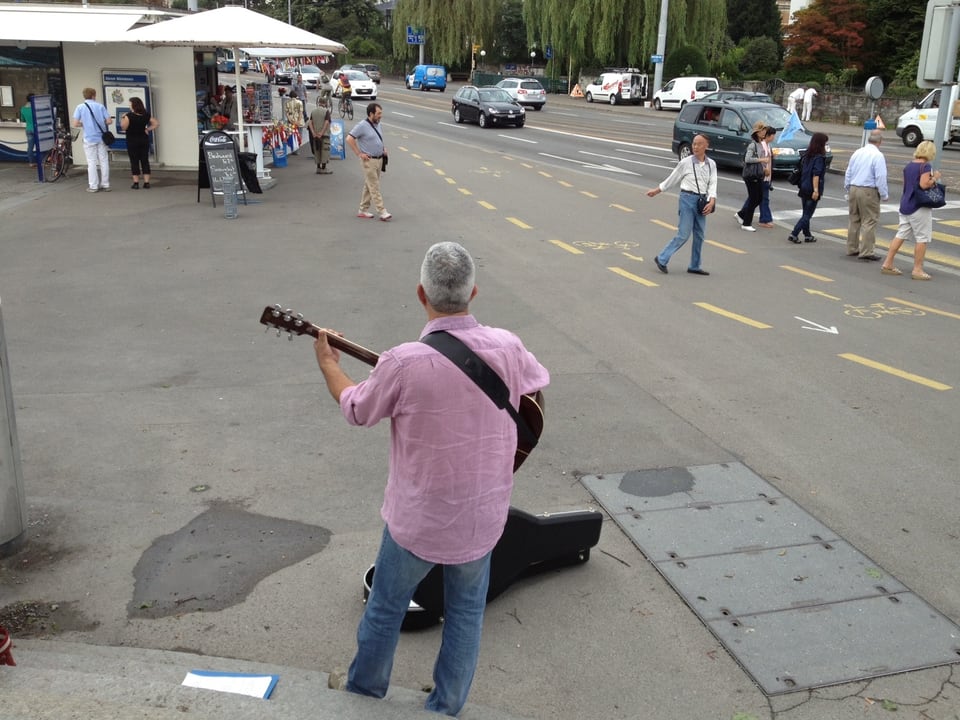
(487, 106)
(727, 126)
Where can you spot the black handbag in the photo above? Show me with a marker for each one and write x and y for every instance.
(702, 198)
(795, 175)
(106, 137)
(753, 171)
(934, 197)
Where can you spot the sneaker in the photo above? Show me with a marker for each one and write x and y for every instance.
(810, 238)
(135, 186)
(93, 189)
(793, 238)
(337, 680)
(105, 188)
(385, 216)
(364, 214)
(146, 186)
(736, 216)
(748, 228)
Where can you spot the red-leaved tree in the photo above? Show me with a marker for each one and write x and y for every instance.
(827, 36)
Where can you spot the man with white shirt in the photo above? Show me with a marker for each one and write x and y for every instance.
(795, 99)
(808, 95)
(865, 183)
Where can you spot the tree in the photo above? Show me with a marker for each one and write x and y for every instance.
(685, 60)
(896, 29)
(826, 37)
(761, 57)
(754, 18)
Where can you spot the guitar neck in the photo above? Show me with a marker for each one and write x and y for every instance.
(343, 345)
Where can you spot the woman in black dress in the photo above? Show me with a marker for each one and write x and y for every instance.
(137, 124)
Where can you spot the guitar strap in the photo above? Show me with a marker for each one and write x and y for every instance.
(482, 374)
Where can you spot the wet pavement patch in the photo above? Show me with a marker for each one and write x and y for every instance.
(794, 603)
(216, 560)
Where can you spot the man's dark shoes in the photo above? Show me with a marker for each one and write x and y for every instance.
(660, 266)
(698, 271)
(869, 257)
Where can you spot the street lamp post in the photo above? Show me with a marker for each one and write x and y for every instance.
(533, 55)
(483, 57)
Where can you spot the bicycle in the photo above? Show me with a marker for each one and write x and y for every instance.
(57, 162)
(877, 310)
(345, 107)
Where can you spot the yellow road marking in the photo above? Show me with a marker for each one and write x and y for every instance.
(942, 237)
(450, 181)
(621, 207)
(569, 248)
(565, 183)
(630, 276)
(589, 194)
(464, 191)
(895, 371)
(414, 155)
(821, 293)
(924, 307)
(821, 278)
(661, 223)
(428, 163)
(438, 171)
(932, 255)
(633, 257)
(527, 165)
(402, 147)
(728, 248)
(733, 316)
(951, 223)
(520, 224)
(484, 203)
(545, 174)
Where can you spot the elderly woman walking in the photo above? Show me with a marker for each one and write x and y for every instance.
(756, 167)
(916, 222)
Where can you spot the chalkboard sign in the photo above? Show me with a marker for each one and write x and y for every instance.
(219, 165)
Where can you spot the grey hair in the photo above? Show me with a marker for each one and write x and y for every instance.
(875, 137)
(447, 276)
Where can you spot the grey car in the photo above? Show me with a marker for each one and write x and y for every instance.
(526, 91)
(727, 125)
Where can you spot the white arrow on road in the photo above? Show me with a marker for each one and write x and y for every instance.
(818, 328)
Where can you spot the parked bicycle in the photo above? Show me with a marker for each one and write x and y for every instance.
(57, 162)
(345, 107)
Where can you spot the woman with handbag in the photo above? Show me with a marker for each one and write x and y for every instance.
(813, 171)
(756, 167)
(916, 213)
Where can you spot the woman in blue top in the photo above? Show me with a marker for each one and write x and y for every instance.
(813, 170)
(916, 223)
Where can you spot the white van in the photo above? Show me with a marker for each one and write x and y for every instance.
(679, 91)
(617, 85)
(920, 123)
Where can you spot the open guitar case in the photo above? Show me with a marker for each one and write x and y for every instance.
(530, 544)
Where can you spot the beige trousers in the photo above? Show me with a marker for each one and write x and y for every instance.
(864, 206)
(371, 185)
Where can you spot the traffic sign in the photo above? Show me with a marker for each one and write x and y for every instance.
(656, 59)
(415, 35)
(548, 52)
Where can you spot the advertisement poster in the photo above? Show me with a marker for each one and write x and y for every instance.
(118, 88)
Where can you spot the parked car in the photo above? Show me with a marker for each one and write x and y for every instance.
(679, 91)
(617, 85)
(737, 95)
(525, 91)
(311, 76)
(727, 126)
(487, 106)
(373, 71)
(427, 77)
(361, 86)
(285, 75)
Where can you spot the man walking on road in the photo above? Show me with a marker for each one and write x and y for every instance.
(697, 176)
(367, 143)
(866, 186)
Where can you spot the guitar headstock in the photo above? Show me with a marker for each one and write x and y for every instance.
(286, 320)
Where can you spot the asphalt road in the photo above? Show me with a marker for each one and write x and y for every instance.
(146, 393)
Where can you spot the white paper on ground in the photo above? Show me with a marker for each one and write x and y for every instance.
(259, 686)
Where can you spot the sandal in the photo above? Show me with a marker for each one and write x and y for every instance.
(920, 276)
(890, 271)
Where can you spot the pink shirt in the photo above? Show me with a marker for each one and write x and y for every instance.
(451, 449)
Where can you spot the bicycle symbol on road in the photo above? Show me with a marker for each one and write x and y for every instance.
(877, 310)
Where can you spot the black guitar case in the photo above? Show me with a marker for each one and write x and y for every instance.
(530, 544)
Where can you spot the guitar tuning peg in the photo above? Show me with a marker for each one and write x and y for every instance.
(279, 332)
(290, 336)
(277, 309)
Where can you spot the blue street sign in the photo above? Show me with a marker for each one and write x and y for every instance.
(548, 53)
(415, 36)
(656, 59)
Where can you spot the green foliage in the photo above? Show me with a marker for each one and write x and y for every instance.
(896, 28)
(760, 58)
(685, 60)
(753, 18)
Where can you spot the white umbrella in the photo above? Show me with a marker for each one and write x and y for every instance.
(232, 27)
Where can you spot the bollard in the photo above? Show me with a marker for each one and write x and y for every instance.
(867, 127)
(13, 506)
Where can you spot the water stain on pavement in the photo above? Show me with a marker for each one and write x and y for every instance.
(214, 561)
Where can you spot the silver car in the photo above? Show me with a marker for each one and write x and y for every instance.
(525, 91)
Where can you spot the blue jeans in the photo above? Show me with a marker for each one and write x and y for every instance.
(398, 572)
(803, 224)
(690, 221)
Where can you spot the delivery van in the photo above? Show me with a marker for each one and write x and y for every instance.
(920, 123)
(427, 77)
(679, 91)
(617, 85)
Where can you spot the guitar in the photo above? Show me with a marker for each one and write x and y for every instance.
(531, 406)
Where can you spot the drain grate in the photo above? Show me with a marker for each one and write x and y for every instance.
(796, 605)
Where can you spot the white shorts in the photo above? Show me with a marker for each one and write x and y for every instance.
(916, 227)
